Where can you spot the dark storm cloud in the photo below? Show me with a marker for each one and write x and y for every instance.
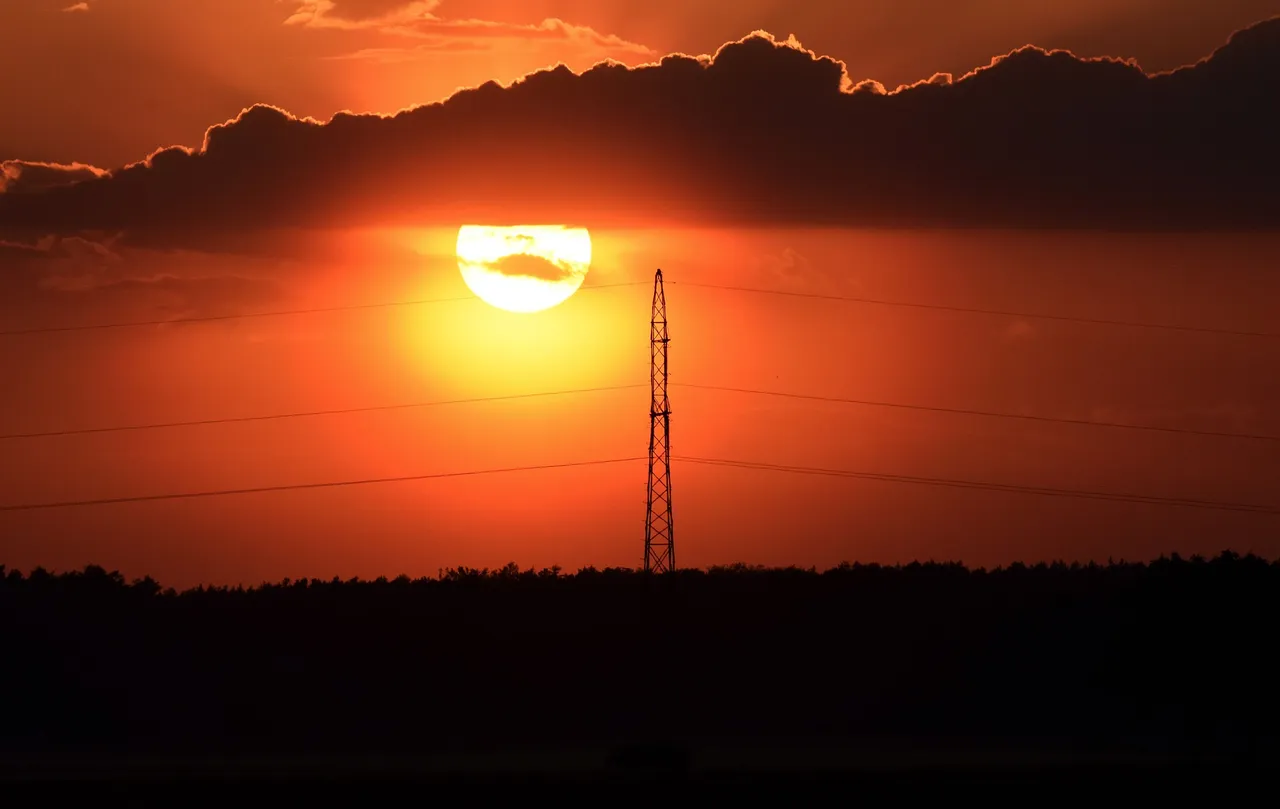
(765, 132)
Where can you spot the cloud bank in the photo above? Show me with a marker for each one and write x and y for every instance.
(763, 132)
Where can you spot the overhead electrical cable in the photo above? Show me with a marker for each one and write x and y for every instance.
(309, 413)
(146, 498)
(985, 486)
(606, 388)
(124, 324)
(984, 413)
(1095, 321)
(1043, 491)
(723, 287)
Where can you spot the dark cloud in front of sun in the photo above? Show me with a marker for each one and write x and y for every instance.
(531, 266)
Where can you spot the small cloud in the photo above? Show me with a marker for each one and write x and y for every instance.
(416, 21)
(14, 251)
(77, 7)
(790, 264)
(531, 266)
(20, 176)
(64, 248)
(550, 29)
(355, 15)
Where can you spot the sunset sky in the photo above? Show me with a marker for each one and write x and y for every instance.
(178, 159)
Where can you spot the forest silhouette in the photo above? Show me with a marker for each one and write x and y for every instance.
(1171, 656)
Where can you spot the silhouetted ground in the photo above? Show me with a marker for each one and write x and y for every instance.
(1160, 673)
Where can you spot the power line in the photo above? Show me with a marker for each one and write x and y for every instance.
(979, 311)
(606, 388)
(719, 462)
(725, 287)
(987, 486)
(124, 324)
(301, 486)
(310, 413)
(984, 413)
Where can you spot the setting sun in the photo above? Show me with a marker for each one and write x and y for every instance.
(524, 268)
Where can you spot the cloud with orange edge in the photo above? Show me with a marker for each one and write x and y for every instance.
(764, 132)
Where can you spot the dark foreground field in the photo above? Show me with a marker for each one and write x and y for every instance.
(1163, 673)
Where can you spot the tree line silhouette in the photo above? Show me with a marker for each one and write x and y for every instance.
(1169, 656)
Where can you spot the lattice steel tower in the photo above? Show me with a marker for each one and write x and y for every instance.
(659, 546)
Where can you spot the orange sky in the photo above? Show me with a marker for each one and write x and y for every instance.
(108, 85)
(592, 516)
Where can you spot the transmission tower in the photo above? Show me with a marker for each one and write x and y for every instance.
(659, 545)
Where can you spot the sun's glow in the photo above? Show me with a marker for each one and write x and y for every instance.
(523, 268)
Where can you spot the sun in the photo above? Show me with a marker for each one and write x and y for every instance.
(523, 268)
